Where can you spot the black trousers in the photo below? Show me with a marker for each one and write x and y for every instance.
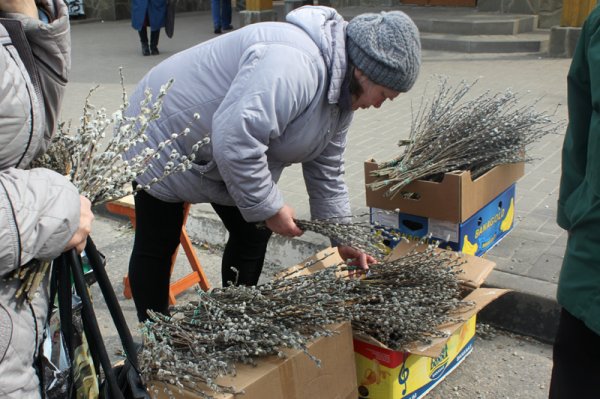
(158, 228)
(576, 370)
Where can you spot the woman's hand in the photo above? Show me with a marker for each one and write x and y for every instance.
(283, 223)
(354, 257)
(26, 7)
(86, 217)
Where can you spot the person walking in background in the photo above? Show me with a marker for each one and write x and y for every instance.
(41, 212)
(283, 93)
(148, 13)
(221, 14)
(577, 345)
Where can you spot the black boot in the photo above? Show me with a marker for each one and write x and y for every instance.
(144, 40)
(154, 41)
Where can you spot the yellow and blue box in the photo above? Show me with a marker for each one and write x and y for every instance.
(475, 236)
(386, 374)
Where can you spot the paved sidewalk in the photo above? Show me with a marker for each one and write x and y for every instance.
(528, 259)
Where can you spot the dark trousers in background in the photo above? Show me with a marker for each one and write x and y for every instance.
(576, 370)
(158, 228)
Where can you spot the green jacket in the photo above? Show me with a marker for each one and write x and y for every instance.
(579, 196)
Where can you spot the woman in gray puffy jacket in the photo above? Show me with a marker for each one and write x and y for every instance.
(269, 95)
(41, 212)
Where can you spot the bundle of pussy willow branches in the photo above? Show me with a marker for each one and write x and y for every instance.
(396, 303)
(354, 233)
(94, 158)
(97, 165)
(452, 133)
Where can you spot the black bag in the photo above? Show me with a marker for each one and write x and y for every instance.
(122, 381)
(170, 18)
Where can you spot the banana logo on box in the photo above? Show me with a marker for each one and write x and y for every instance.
(510, 216)
(468, 247)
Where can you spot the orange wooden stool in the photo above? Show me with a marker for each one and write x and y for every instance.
(126, 206)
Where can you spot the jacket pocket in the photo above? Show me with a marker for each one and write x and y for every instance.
(207, 169)
(6, 328)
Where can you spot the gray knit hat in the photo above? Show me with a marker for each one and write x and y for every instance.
(386, 47)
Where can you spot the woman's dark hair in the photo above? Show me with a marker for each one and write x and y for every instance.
(355, 87)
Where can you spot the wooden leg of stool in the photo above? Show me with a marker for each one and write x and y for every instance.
(172, 300)
(126, 287)
(190, 252)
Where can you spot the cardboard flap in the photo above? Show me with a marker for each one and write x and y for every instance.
(474, 270)
(453, 177)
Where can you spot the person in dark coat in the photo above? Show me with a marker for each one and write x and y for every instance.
(577, 343)
(150, 13)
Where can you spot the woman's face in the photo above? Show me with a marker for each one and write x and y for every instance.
(372, 94)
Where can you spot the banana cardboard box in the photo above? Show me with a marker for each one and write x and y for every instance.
(456, 198)
(383, 373)
(475, 236)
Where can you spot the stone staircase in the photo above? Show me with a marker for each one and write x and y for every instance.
(468, 30)
(481, 32)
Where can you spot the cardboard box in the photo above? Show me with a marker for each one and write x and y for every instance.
(386, 374)
(422, 366)
(297, 376)
(383, 373)
(475, 236)
(456, 198)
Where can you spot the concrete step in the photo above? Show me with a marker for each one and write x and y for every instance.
(466, 29)
(476, 24)
(534, 42)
